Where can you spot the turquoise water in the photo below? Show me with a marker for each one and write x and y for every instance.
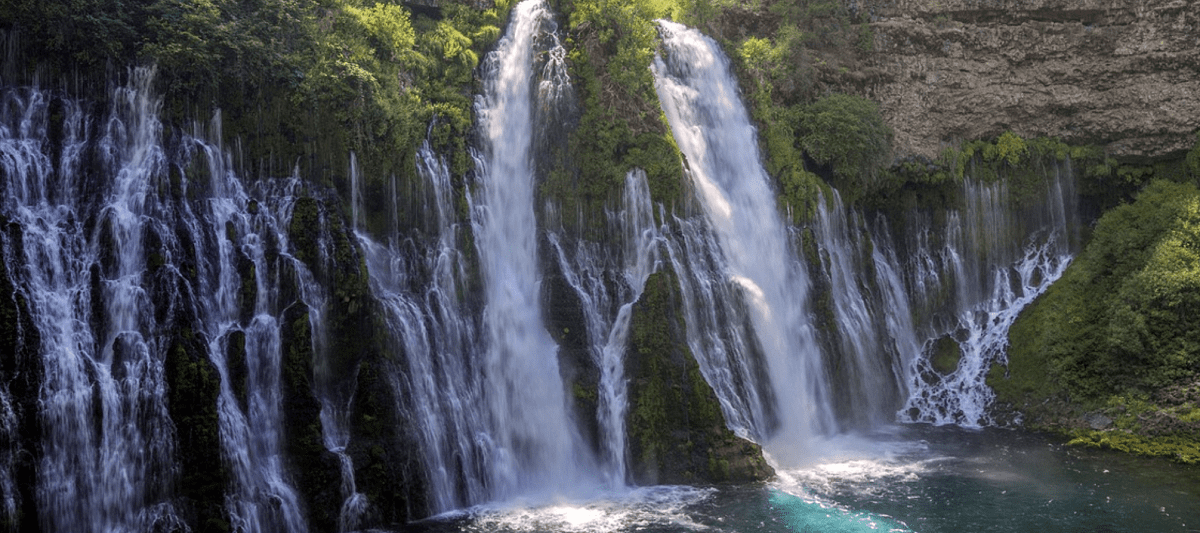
(908, 479)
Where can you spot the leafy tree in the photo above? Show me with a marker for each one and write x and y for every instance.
(848, 133)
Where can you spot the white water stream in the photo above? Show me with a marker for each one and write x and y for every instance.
(538, 447)
(700, 98)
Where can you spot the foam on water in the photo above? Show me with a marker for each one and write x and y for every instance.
(810, 496)
(646, 507)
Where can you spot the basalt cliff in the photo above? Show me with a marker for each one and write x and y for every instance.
(1121, 74)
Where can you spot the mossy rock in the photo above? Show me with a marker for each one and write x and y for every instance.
(193, 387)
(567, 325)
(327, 246)
(316, 470)
(388, 466)
(1183, 448)
(945, 355)
(247, 295)
(236, 367)
(677, 432)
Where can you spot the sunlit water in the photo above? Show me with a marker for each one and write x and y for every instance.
(909, 479)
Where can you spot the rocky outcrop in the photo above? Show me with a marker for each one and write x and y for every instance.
(1122, 74)
(677, 432)
(21, 375)
(314, 467)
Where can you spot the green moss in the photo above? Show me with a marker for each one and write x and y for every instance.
(1111, 335)
(316, 470)
(304, 230)
(583, 393)
(946, 355)
(1181, 448)
(621, 125)
(676, 427)
(193, 386)
(386, 457)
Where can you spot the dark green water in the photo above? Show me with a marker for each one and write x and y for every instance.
(919, 479)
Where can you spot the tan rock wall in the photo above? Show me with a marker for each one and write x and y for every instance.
(1124, 74)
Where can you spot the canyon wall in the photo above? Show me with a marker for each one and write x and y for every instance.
(1122, 74)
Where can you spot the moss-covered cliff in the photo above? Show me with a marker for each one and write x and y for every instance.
(677, 433)
(1111, 353)
(347, 368)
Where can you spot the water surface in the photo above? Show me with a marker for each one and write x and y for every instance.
(907, 479)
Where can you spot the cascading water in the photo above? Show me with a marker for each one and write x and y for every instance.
(719, 332)
(438, 377)
(898, 315)
(108, 449)
(121, 240)
(998, 263)
(865, 346)
(335, 396)
(537, 443)
(607, 311)
(243, 329)
(700, 98)
(128, 251)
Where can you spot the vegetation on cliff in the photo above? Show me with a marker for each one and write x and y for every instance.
(677, 433)
(1116, 336)
(301, 84)
(620, 125)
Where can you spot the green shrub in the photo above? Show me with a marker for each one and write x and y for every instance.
(1121, 319)
(847, 133)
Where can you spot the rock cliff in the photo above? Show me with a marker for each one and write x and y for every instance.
(1122, 74)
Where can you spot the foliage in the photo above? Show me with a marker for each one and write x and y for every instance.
(300, 82)
(1103, 182)
(761, 65)
(1180, 448)
(776, 69)
(83, 33)
(847, 133)
(825, 20)
(621, 126)
(1193, 158)
(1120, 319)
(1009, 148)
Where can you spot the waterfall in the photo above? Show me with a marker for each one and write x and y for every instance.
(437, 376)
(896, 305)
(719, 333)
(607, 310)
(537, 443)
(998, 257)
(134, 255)
(133, 249)
(713, 130)
(108, 447)
(865, 345)
(334, 395)
(356, 199)
(260, 497)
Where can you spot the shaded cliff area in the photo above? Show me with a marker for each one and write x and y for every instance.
(1121, 75)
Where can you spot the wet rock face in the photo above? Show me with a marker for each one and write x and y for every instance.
(677, 433)
(1123, 74)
